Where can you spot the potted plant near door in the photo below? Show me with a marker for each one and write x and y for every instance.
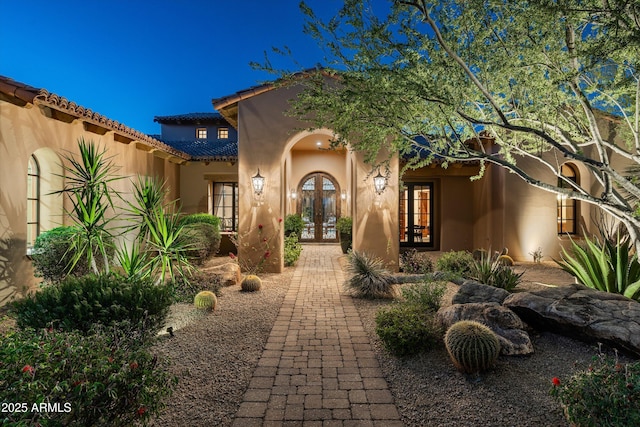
(344, 226)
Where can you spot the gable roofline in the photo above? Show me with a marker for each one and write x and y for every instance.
(228, 105)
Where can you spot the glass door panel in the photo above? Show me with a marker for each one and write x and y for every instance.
(416, 215)
(319, 208)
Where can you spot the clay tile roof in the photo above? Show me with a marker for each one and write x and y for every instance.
(207, 150)
(215, 118)
(28, 94)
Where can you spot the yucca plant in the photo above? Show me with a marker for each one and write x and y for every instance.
(168, 245)
(606, 266)
(134, 261)
(87, 185)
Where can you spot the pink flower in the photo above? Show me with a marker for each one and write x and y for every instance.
(556, 381)
(264, 240)
(232, 255)
(279, 219)
(267, 254)
(142, 410)
(133, 365)
(259, 226)
(29, 369)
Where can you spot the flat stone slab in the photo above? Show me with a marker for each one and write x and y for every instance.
(583, 313)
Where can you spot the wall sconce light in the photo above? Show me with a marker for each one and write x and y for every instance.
(293, 194)
(258, 183)
(343, 194)
(379, 183)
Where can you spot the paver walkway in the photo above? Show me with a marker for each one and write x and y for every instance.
(318, 368)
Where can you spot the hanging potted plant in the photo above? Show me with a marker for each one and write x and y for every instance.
(344, 225)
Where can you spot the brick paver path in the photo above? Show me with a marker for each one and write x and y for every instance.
(318, 368)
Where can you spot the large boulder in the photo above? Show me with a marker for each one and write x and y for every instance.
(472, 291)
(581, 312)
(228, 273)
(514, 340)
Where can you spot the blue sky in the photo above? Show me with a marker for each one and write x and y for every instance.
(131, 60)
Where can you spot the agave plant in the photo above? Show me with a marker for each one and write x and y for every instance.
(606, 266)
(370, 279)
(491, 271)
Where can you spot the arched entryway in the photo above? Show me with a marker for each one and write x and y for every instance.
(319, 206)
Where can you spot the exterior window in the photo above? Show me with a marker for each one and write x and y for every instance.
(201, 133)
(33, 202)
(416, 215)
(567, 208)
(225, 204)
(223, 133)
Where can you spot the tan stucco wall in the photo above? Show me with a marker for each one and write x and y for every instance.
(195, 179)
(266, 137)
(25, 130)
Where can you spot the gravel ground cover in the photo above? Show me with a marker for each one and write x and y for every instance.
(214, 356)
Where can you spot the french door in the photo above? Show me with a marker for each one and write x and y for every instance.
(319, 206)
(416, 215)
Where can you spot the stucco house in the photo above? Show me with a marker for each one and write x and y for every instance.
(209, 161)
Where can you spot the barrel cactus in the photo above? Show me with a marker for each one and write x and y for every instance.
(206, 300)
(472, 346)
(251, 283)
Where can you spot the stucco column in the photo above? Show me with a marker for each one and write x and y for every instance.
(375, 217)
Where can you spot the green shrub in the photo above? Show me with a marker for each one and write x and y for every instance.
(52, 255)
(344, 225)
(101, 379)
(458, 263)
(201, 218)
(608, 266)
(472, 346)
(80, 303)
(494, 272)
(293, 225)
(205, 300)
(407, 329)
(427, 295)
(204, 240)
(369, 278)
(186, 290)
(251, 283)
(292, 250)
(605, 394)
(414, 262)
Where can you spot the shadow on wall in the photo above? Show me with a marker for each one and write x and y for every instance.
(11, 257)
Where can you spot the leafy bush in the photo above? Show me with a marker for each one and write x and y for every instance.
(186, 290)
(494, 272)
(414, 262)
(101, 379)
(201, 218)
(204, 239)
(427, 296)
(607, 266)
(53, 255)
(292, 249)
(293, 225)
(80, 303)
(407, 329)
(458, 263)
(344, 225)
(369, 278)
(605, 394)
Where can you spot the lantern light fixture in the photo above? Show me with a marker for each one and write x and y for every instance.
(379, 183)
(258, 183)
